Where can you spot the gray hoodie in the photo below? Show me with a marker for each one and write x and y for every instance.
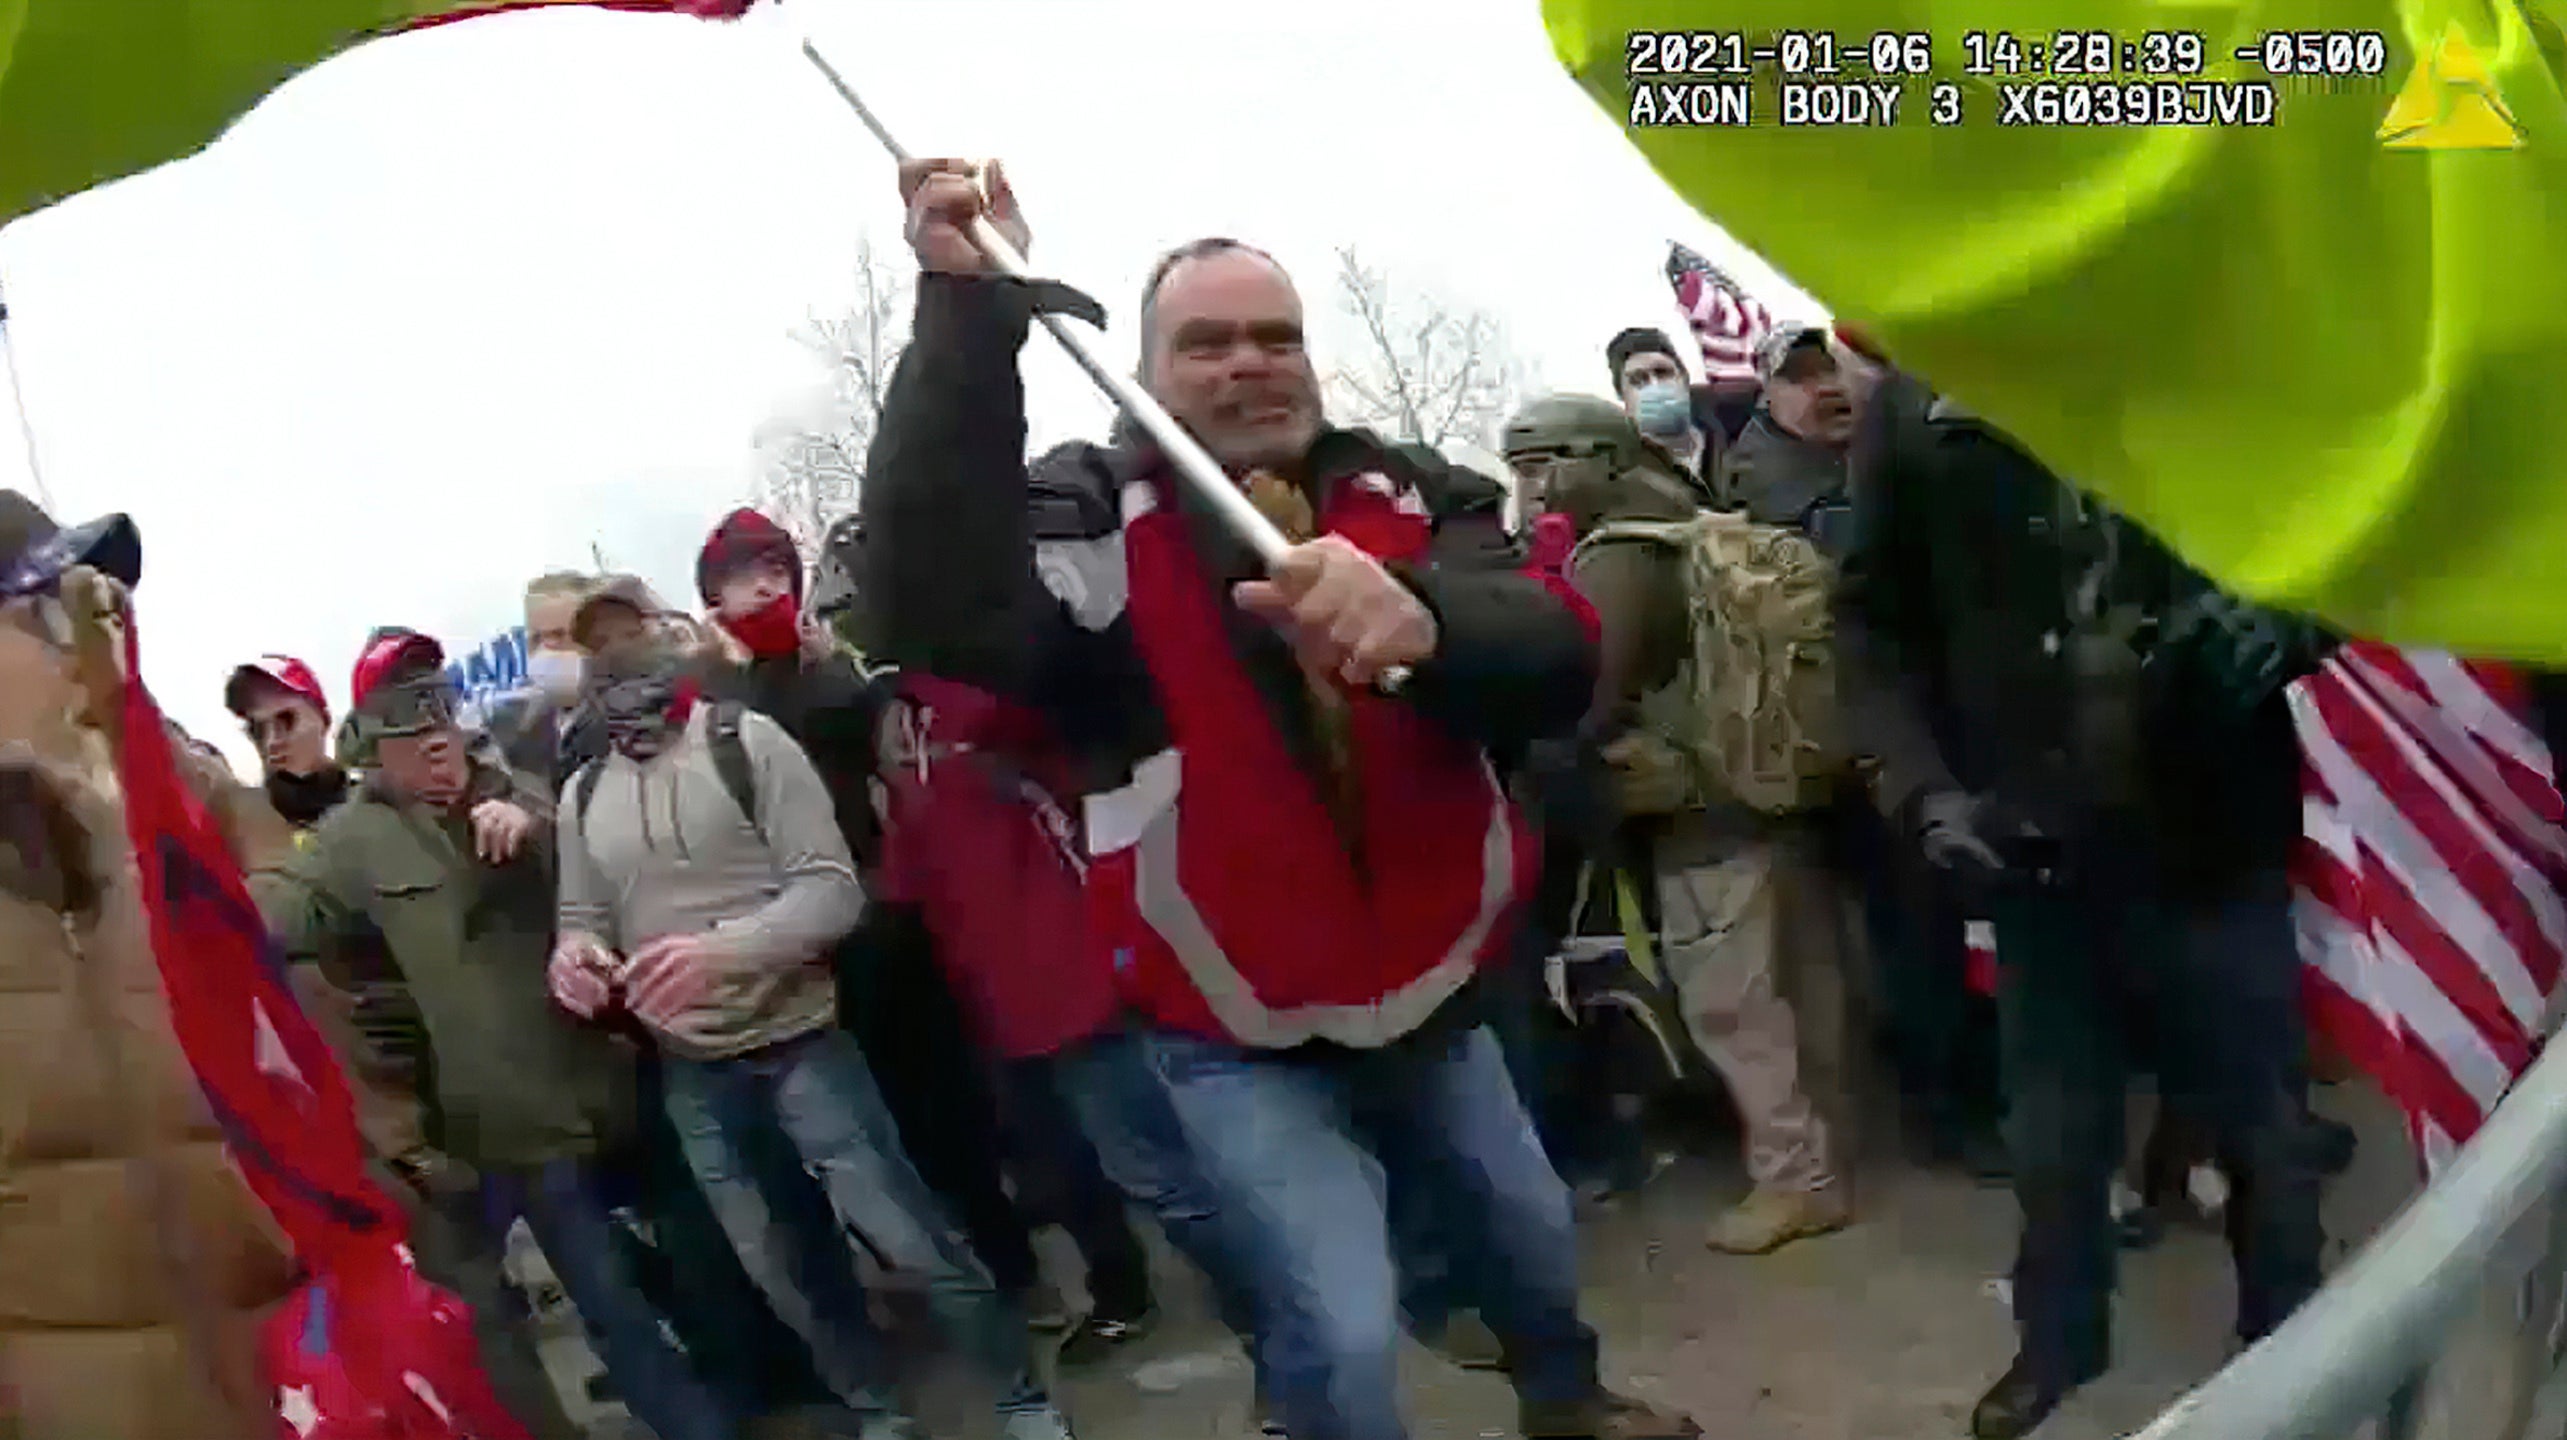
(665, 850)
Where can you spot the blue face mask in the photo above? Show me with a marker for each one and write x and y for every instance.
(1664, 409)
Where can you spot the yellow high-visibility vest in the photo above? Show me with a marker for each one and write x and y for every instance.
(2327, 364)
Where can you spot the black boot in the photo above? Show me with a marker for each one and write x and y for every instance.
(2018, 1403)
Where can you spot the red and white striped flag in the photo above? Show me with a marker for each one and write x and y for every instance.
(1726, 321)
(2429, 879)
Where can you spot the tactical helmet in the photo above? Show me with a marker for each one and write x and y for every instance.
(1572, 426)
(1565, 452)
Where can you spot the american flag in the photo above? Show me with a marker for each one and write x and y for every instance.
(1726, 321)
(2428, 880)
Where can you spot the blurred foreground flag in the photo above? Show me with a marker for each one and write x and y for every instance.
(2431, 879)
(2308, 352)
(95, 90)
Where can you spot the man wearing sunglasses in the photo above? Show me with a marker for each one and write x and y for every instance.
(445, 854)
(279, 702)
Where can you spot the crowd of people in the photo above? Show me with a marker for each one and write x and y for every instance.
(1041, 856)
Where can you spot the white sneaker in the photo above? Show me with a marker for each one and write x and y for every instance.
(1047, 1423)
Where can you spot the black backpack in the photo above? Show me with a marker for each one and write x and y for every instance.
(730, 761)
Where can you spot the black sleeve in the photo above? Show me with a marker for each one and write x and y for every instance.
(1886, 621)
(1513, 662)
(2549, 710)
(948, 528)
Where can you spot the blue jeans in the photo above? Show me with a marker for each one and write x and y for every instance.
(1288, 1146)
(572, 1218)
(1108, 1085)
(815, 1092)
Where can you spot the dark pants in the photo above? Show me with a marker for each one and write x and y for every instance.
(1941, 1034)
(456, 1247)
(1569, 1081)
(894, 999)
(568, 1207)
(739, 1346)
(1061, 1179)
(2217, 987)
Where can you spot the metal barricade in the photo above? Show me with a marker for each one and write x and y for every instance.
(2360, 1350)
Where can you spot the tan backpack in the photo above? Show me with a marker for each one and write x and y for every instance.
(1752, 710)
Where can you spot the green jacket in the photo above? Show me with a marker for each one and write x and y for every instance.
(516, 1081)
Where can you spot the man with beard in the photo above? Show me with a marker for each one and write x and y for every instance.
(1788, 467)
(1349, 860)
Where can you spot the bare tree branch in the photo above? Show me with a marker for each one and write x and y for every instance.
(1424, 372)
(811, 453)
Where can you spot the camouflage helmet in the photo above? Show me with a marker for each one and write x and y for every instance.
(1572, 425)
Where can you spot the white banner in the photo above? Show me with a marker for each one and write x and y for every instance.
(495, 668)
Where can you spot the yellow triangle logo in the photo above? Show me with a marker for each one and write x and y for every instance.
(2450, 103)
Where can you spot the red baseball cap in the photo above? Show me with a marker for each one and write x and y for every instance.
(283, 671)
(388, 652)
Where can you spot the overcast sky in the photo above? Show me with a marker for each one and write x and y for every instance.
(455, 307)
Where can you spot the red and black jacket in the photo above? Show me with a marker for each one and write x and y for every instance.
(976, 572)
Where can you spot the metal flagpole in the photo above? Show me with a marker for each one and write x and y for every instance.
(18, 402)
(1192, 460)
(1228, 501)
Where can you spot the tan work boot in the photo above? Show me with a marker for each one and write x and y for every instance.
(1767, 1220)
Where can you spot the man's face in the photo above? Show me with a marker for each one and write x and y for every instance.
(1649, 367)
(1229, 362)
(288, 730)
(1809, 396)
(751, 588)
(429, 767)
(611, 624)
(548, 620)
(1532, 472)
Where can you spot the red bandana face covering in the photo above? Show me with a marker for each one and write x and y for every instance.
(772, 629)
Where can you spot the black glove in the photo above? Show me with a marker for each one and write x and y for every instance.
(2237, 656)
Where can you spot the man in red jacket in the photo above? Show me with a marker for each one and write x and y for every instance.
(1294, 877)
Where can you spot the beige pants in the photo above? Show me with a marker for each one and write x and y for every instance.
(1751, 923)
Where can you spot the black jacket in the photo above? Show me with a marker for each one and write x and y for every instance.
(2224, 783)
(960, 530)
(1780, 479)
(1972, 579)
